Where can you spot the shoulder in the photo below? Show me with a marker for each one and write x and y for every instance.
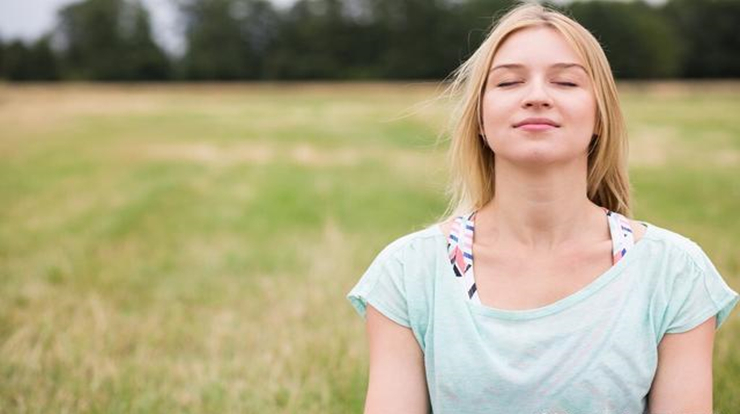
(688, 286)
(638, 229)
(419, 241)
(445, 227)
(675, 248)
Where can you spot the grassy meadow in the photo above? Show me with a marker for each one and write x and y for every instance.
(188, 248)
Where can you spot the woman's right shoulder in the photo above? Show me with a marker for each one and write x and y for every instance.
(421, 240)
(446, 226)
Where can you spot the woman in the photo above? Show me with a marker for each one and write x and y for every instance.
(569, 306)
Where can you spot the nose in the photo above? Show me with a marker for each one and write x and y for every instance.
(536, 96)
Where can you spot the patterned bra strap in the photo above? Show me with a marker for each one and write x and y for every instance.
(460, 246)
(460, 250)
(622, 235)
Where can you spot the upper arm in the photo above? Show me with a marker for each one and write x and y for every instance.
(683, 381)
(397, 379)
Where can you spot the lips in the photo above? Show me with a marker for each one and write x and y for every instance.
(537, 121)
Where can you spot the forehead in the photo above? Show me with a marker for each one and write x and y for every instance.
(554, 66)
(536, 47)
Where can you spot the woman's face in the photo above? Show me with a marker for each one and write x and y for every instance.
(533, 76)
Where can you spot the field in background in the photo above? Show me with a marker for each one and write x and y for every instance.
(175, 248)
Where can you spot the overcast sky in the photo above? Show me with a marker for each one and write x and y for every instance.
(28, 19)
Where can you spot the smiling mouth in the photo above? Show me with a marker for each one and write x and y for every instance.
(536, 127)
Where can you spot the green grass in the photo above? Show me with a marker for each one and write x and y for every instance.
(188, 248)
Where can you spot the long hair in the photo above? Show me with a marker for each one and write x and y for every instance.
(471, 162)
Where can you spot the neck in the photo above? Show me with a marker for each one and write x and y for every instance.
(541, 210)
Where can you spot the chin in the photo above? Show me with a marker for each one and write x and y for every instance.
(535, 157)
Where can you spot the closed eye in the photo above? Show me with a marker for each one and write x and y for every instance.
(569, 84)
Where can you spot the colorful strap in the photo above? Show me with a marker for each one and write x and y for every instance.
(460, 246)
(622, 235)
(460, 249)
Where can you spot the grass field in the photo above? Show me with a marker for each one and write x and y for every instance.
(189, 248)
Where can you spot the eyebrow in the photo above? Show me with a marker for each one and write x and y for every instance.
(563, 65)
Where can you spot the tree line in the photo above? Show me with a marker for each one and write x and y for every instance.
(111, 40)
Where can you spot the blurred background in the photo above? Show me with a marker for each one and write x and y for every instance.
(189, 188)
(156, 40)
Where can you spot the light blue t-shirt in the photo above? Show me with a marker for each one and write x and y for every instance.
(594, 351)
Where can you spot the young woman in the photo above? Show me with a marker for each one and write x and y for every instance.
(538, 294)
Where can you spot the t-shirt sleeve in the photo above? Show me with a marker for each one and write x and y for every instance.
(382, 285)
(697, 295)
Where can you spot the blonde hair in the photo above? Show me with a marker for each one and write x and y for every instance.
(470, 161)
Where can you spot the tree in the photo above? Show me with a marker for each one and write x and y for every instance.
(43, 61)
(29, 63)
(17, 61)
(423, 38)
(2, 59)
(637, 39)
(314, 40)
(709, 32)
(110, 40)
(226, 39)
(146, 59)
(476, 18)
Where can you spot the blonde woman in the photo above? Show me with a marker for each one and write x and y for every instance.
(538, 294)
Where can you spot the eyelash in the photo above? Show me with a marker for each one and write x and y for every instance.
(569, 84)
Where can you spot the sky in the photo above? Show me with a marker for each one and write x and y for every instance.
(29, 19)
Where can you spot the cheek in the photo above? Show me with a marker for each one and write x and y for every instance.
(589, 109)
(496, 110)
(582, 111)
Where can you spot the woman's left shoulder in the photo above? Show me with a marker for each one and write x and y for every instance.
(670, 243)
(638, 229)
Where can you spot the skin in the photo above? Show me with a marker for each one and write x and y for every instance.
(540, 211)
(541, 203)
